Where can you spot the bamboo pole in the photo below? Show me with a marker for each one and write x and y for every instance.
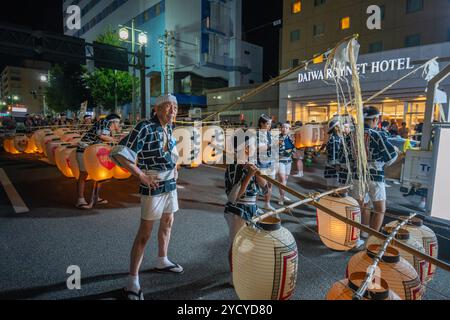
(296, 204)
(401, 245)
(358, 295)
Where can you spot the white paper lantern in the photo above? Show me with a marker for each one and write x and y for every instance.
(403, 235)
(264, 262)
(378, 289)
(335, 234)
(427, 237)
(401, 277)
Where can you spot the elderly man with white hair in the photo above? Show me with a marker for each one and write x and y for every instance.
(149, 153)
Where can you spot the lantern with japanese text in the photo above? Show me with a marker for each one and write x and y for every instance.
(264, 261)
(401, 277)
(378, 289)
(426, 237)
(403, 235)
(38, 137)
(50, 149)
(97, 162)
(334, 233)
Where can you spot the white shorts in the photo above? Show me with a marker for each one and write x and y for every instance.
(235, 223)
(153, 207)
(80, 160)
(270, 172)
(376, 192)
(284, 169)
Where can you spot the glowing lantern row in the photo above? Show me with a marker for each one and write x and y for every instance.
(50, 150)
(61, 131)
(70, 136)
(47, 141)
(65, 158)
(264, 262)
(8, 145)
(99, 165)
(426, 237)
(31, 146)
(309, 135)
(401, 277)
(403, 235)
(38, 138)
(21, 143)
(377, 290)
(334, 233)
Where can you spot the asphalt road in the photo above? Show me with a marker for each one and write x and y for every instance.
(37, 247)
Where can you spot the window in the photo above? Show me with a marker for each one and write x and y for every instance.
(318, 29)
(319, 2)
(295, 35)
(296, 6)
(414, 5)
(376, 46)
(345, 23)
(294, 63)
(412, 40)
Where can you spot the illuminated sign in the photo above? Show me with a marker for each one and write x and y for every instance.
(363, 68)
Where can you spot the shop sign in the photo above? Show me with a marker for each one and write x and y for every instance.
(363, 68)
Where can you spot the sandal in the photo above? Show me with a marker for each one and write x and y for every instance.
(131, 295)
(102, 201)
(170, 269)
(84, 206)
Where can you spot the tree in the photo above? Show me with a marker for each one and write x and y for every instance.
(110, 88)
(66, 88)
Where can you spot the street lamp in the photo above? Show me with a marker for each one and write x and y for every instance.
(124, 36)
(43, 78)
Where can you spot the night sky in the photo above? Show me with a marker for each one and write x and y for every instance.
(47, 15)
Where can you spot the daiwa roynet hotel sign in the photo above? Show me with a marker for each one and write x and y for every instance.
(363, 68)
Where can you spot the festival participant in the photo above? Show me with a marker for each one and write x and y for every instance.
(242, 188)
(87, 122)
(298, 156)
(101, 131)
(385, 129)
(149, 153)
(380, 153)
(286, 150)
(333, 148)
(264, 145)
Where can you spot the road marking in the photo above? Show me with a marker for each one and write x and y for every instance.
(16, 201)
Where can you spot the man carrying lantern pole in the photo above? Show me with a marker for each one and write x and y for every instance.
(380, 153)
(242, 188)
(101, 131)
(149, 153)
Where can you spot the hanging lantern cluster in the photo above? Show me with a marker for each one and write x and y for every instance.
(426, 237)
(378, 289)
(401, 277)
(334, 233)
(264, 261)
(404, 236)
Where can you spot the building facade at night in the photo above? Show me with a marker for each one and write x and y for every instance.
(25, 83)
(412, 32)
(207, 46)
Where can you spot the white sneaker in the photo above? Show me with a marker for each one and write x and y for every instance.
(267, 206)
(298, 175)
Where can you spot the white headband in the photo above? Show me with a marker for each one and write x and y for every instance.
(166, 98)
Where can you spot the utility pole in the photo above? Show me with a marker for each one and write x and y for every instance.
(133, 97)
(167, 43)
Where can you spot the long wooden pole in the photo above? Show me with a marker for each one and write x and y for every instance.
(432, 260)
